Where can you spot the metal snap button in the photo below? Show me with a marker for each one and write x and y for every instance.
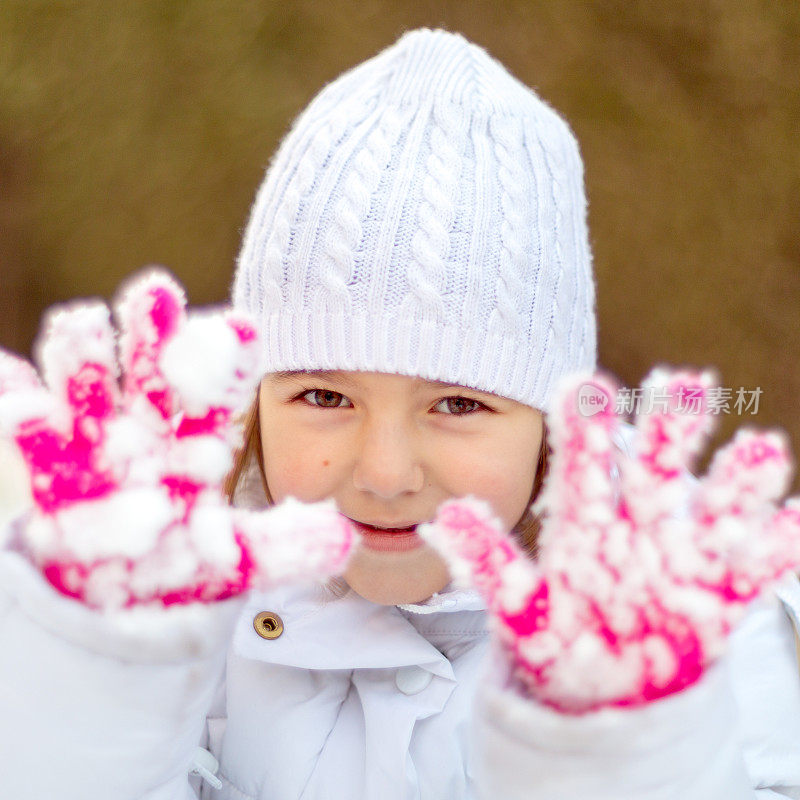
(268, 625)
(412, 680)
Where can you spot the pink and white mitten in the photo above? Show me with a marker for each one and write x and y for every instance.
(112, 662)
(126, 478)
(640, 576)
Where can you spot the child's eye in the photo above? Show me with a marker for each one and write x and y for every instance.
(458, 406)
(325, 398)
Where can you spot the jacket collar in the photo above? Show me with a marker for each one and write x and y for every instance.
(329, 633)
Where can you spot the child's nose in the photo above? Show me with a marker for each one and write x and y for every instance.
(388, 461)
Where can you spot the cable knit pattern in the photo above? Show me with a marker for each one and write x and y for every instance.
(269, 247)
(430, 244)
(345, 234)
(425, 216)
(558, 200)
(507, 135)
(307, 171)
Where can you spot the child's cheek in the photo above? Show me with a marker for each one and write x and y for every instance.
(505, 484)
(301, 471)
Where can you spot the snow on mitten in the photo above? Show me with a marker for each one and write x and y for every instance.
(639, 579)
(114, 660)
(126, 470)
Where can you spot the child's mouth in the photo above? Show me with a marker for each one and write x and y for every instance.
(388, 539)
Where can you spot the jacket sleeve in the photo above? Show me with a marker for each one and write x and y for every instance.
(766, 683)
(683, 747)
(96, 706)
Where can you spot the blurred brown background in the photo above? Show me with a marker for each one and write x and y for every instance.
(137, 132)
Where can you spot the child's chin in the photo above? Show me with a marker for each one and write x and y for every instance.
(396, 579)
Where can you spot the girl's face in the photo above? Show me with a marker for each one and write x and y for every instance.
(389, 449)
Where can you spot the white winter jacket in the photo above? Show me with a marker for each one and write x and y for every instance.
(354, 701)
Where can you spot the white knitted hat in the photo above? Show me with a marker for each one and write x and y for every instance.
(425, 216)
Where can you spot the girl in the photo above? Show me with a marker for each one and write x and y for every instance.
(417, 264)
